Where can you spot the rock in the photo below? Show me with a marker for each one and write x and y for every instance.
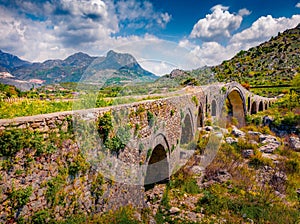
(197, 170)
(230, 140)
(265, 139)
(295, 142)
(254, 133)
(252, 142)
(273, 157)
(298, 192)
(269, 148)
(267, 120)
(222, 176)
(247, 153)
(174, 210)
(237, 133)
(209, 128)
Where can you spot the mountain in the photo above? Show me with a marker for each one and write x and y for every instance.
(9, 61)
(115, 68)
(274, 62)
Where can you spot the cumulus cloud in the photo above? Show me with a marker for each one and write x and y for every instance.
(297, 5)
(219, 24)
(39, 30)
(263, 29)
(213, 53)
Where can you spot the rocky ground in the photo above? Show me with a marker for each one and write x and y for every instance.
(169, 204)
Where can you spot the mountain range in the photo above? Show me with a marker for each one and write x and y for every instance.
(115, 68)
(274, 62)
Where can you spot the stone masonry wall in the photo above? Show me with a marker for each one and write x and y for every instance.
(60, 171)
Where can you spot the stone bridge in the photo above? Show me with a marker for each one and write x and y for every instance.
(145, 143)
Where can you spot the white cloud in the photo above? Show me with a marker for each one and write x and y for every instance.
(140, 14)
(263, 29)
(37, 31)
(244, 12)
(297, 5)
(213, 53)
(218, 25)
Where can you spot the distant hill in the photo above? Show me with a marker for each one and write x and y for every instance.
(274, 62)
(119, 68)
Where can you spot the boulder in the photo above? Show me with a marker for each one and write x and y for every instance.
(237, 133)
(254, 133)
(267, 120)
(209, 128)
(247, 153)
(197, 170)
(269, 148)
(253, 142)
(174, 210)
(222, 176)
(265, 139)
(230, 140)
(295, 142)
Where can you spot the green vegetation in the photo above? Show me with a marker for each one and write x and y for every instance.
(54, 187)
(195, 100)
(114, 141)
(150, 118)
(19, 197)
(32, 107)
(269, 64)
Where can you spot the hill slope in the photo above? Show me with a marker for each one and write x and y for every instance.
(274, 62)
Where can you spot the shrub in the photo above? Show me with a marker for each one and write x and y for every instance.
(53, 187)
(105, 125)
(150, 118)
(258, 161)
(292, 166)
(19, 197)
(97, 186)
(12, 141)
(195, 100)
(79, 164)
(41, 217)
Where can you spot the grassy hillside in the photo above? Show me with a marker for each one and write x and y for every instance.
(274, 62)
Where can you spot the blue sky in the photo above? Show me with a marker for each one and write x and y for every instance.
(162, 35)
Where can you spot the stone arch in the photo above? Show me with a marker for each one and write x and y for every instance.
(253, 108)
(213, 108)
(158, 170)
(237, 106)
(249, 104)
(200, 117)
(266, 105)
(206, 105)
(187, 129)
(261, 106)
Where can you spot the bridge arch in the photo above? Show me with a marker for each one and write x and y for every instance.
(249, 104)
(158, 167)
(187, 129)
(253, 108)
(213, 108)
(261, 106)
(200, 117)
(266, 105)
(237, 106)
